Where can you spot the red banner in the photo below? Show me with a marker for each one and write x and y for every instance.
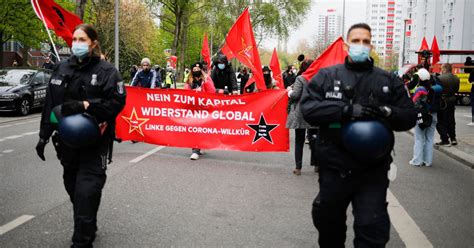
(186, 118)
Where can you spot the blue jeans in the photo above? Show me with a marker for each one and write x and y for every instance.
(424, 140)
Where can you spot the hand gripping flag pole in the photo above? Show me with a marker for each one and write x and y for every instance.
(40, 15)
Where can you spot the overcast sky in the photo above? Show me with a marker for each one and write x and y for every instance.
(355, 12)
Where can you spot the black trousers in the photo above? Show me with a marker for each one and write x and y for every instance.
(300, 136)
(367, 192)
(84, 177)
(446, 125)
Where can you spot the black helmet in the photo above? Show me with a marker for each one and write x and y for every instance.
(367, 139)
(79, 130)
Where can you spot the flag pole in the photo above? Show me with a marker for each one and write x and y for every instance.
(116, 36)
(47, 30)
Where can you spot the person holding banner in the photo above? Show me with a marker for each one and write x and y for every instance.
(198, 81)
(145, 78)
(223, 76)
(345, 100)
(295, 118)
(83, 87)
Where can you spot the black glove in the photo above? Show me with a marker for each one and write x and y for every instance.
(357, 111)
(40, 148)
(72, 107)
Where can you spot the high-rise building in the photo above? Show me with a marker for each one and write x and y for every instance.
(329, 27)
(449, 20)
(385, 17)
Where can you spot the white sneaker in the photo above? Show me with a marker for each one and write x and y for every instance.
(194, 156)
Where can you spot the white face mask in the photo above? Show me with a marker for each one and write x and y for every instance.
(80, 49)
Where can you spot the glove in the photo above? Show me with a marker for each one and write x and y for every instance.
(40, 148)
(72, 107)
(358, 111)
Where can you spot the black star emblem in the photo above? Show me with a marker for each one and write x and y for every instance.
(262, 129)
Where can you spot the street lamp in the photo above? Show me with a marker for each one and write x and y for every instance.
(404, 39)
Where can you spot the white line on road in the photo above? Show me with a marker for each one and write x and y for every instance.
(15, 223)
(139, 158)
(468, 116)
(18, 136)
(406, 227)
(8, 151)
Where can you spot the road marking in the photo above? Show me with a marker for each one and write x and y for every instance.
(141, 157)
(406, 227)
(15, 223)
(8, 151)
(6, 126)
(18, 136)
(468, 116)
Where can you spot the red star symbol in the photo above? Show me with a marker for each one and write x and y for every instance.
(245, 52)
(135, 122)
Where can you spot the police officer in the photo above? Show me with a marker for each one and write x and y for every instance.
(145, 78)
(223, 76)
(337, 95)
(83, 84)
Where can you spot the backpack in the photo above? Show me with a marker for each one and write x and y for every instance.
(435, 99)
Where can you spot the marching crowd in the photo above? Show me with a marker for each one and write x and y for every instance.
(328, 110)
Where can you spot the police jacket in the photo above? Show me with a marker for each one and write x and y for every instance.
(226, 77)
(95, 81)
(145, 79)
(332, 88)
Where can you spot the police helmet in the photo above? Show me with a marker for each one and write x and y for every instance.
(79, 130)
(368, 139)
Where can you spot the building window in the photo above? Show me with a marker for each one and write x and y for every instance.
(374, 18)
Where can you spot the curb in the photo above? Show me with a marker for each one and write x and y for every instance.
(460, 156)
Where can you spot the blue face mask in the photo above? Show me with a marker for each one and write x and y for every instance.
(221, 66)
(358, 53)
(80, 49)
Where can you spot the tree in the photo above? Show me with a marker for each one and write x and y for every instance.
(19, 22)
(80, 8)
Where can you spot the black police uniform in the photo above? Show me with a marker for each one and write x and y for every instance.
(99, 83)
(343, 177)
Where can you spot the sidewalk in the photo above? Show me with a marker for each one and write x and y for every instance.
(464, 151)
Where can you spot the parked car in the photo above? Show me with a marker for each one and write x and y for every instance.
(22, 89)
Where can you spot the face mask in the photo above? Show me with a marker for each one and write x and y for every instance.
(358, 53)
(80, 49)
(197, 73)
(221, 66)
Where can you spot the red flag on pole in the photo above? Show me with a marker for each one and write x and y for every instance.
(435, 51)
(227, 52)
(424, 46)
(241, 41)
(275, 67)
(57, 18)
(206, 54)
(333, 55)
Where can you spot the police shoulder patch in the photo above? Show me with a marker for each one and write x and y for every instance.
(120, 88)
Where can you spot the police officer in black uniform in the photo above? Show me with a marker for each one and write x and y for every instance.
(83, 84)
(353, 91)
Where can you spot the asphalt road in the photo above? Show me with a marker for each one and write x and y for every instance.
(225, 199)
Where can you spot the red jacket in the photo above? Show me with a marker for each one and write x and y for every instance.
(206, 86)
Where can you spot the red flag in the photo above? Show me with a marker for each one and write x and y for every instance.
(227, 52)
(60, 20)
(424, 46)
(275, 67)
(435, 51)
(333, 55)
(241, 42)
(206, 54)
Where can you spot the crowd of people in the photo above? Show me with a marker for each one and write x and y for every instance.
(355, 94)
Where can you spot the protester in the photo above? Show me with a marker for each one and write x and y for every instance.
(48, 64)
(446, 120)
(244, 78)
(289, 76)
(198, 81)
(169, 78)
(158, 80)
(83, 84)
(295, 118)
(337, 98)
(133, 71)
(267, 76)
(146, 78)
(223, 76)
(470, 63)
(427, 120)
